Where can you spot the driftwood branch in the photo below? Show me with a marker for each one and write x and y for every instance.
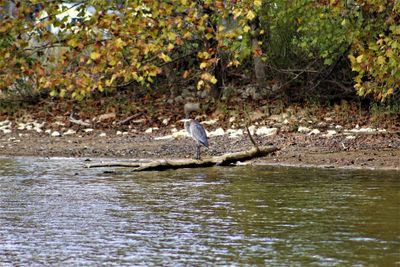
(79, 122)
(124, 121)
(164, 164)
(224, 160)
(113, 164)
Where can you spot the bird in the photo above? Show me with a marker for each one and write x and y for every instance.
(197, 132)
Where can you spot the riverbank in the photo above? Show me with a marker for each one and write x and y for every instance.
(380, 150)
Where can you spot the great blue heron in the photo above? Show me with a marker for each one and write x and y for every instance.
(197, 132)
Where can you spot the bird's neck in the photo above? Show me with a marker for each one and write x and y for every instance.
(187, 126)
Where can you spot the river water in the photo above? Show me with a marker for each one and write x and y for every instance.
(54, 212)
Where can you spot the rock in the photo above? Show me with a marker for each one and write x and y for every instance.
(119, 132)
(252, 129)
(6, 131)
(165, 121)
(266, 131)
(88, 130)
(38, 130)
(48, 131)
(59, 123)
(106, 116)
(38, 125)
(330, 133)
(303, 129)
(5, 122)
(181, 133)
(149, 130)
(256, 115)
(102, 135)
(279, 118)
(179, 99)
(314, 131)
(217, 132)
(21, 126)
(227, 93)
(233, 133)
(55, 134)
(186, 93)
(209, 122)
(350, 137)
(362, 130)
(203, 94)
(232, 119)
(138, 121)
(166, 137)
(69, 132)
(191, 107)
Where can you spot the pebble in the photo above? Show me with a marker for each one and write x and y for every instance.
(69, 132)
(330, 133)
(266, 131)
(181, 133)
(6, 130)
(252, 129)
(102, 135)
(166, 137)
(303, 129)
(88, 130)
(314, 131)
(233, 133)
(165, 121)
(55, 134)
(217, 132)
(209, 122)
(5, 122)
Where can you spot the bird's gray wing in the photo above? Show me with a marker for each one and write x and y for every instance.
(198, 133)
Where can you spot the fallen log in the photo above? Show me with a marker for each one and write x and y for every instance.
(224, 160)
(113, 164)
(171, 164)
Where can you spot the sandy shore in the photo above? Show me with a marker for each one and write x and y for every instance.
(364, 151)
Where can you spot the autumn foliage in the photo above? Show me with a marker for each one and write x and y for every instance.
(107, 45)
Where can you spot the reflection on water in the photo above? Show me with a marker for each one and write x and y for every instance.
(53, 212)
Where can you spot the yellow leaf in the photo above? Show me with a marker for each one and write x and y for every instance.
(62, 93)
(246, 28)
(112, 62)
(95, 55)
(171, 36)
(381, 60)
(170, 46)
(165, 57)
(200, 84)
(257, 3)
(72, 42)
(213, 80)
(250, 15)
(360, 58)
(203, 65)
(119, 43)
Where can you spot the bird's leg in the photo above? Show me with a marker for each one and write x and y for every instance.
(197, 152)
